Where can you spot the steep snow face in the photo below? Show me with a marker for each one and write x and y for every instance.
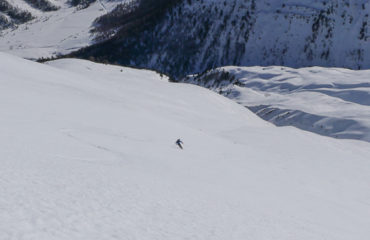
(199, 35)
(87, 152)
(330, 101)
(34, 31)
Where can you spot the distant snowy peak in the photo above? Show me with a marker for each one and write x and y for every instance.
(332, 102)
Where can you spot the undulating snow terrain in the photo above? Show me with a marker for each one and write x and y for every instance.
(50, 33)
(87, 152)
(329, 101)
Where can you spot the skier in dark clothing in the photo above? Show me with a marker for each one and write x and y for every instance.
(179, 142)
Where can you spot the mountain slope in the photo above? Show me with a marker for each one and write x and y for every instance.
(195, 35)
(184, 37)
(88, 153)
(36, 29)
(329, 101)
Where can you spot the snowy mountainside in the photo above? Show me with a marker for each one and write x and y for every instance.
(330, 101)
(194, 36)
(87, 152)
(44, 28)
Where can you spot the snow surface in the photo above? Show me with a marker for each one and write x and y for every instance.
(53, 33)
(330, 101)
(87, 152)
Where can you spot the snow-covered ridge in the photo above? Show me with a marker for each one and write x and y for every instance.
(87, 152)
(330, 101)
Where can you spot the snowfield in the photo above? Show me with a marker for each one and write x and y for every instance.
(53, 33)
(87, 152)
(329, 101)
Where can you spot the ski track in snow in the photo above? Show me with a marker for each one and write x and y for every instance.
(103, 6)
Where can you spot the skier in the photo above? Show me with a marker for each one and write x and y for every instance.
(179, 142)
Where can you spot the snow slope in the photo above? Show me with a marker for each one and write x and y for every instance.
(329, 101)
(55, 32)
(87, 152)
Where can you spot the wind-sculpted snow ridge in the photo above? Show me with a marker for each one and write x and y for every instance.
(45, 28)
(330, 101)
(87, 152)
